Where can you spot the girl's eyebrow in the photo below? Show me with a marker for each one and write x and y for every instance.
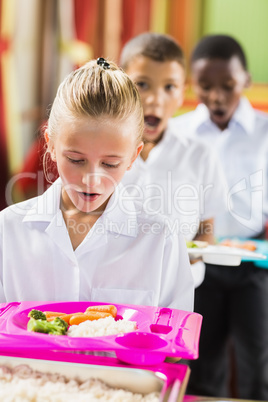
(103, 156)
(74, 152)
(113, 156)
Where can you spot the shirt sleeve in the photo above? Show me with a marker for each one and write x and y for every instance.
(177, 290)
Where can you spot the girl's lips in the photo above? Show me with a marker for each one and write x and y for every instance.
(89, 196)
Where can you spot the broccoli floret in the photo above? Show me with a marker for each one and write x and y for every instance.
(191, 244)
(61, 323)
(37, 315)
(55, 327)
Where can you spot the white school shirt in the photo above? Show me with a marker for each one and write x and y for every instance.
(242, 149)
(125, 258)
(181, 179)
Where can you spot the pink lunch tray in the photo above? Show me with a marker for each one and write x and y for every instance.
(161, 332)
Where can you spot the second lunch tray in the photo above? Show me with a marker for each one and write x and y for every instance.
(169, 380)
(161, 332)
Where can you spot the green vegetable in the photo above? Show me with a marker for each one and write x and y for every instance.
(37, 315)
(191, 244)
(55, 327)
(61, 323)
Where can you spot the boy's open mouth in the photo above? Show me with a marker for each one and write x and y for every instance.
(218, 113)
(151, 121)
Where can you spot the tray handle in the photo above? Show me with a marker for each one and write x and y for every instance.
(7, 307)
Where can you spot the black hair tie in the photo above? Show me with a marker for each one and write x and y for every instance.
(103, 63)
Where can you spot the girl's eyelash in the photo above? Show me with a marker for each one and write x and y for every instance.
(79, 161)
(75, 160)
(110, 166)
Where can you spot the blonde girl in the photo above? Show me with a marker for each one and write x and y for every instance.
(85, 238)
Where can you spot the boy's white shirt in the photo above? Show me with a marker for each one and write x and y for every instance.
(175, 180)
(126, 257)
(242, 149)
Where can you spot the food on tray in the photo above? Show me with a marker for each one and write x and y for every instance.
(55, 327)
(91, 313)
(22, 383)
(37, 315)
(95, 321)
(65, 317)
(246, 245)
(105, 308)
(102, 327)
(196, 244)
(87, 316)
(191, 244)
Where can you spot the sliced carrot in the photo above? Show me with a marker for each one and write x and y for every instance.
(65, 317)
(52, 314)
(249, 245)
(105, 308)
(89, 316)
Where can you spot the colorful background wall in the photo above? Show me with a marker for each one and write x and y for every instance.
(42, 40)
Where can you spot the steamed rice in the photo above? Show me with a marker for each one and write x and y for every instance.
(22, 384)
(101, 327)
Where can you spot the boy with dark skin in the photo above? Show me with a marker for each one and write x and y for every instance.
(232, 300)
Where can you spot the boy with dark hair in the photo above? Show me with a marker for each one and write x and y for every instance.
(232, 300)
(174, 174)
(155, 46)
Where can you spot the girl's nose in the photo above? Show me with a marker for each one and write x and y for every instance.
(91, 179)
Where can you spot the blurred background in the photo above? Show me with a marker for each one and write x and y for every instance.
(43, 40)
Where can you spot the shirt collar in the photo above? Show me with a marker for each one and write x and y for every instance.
(120, 215)
(243, 116)
(44, 207)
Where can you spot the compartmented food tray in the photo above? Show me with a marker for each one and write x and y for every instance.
(223, 255)
(261, 248)
(161, 332)
(168, 381)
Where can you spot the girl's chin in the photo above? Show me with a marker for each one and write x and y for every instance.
(78, 206)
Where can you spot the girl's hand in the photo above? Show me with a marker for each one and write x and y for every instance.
(170, 359)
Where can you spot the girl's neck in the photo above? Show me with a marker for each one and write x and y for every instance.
(79, 224)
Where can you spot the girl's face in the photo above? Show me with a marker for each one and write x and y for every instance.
(219, 84)
(92, 155)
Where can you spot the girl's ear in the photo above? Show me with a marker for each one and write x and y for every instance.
(50, 146)
(136, 154)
